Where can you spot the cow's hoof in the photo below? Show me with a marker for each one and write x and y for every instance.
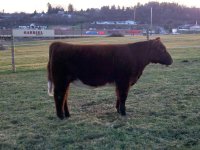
(60, 116)
(67, 115)
(123, 113)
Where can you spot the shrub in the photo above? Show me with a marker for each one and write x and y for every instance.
(116, 35)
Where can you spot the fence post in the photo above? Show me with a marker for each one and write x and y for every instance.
(81, 29)
(13, 53)
(147, 34)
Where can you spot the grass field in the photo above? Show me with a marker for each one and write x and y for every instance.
(163, 108)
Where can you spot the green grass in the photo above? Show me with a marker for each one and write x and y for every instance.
(163, 108)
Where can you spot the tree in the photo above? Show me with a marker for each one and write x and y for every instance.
(113, 7)
(70, 8)
(49, 8)
(54, 10)
(35, 12)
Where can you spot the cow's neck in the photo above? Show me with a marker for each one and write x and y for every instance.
(141, 50)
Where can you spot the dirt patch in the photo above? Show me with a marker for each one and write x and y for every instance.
(185, 61)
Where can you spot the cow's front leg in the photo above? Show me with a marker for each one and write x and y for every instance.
(122, 93)
(122, 107)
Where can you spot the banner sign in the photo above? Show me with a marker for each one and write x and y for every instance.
(33, 33)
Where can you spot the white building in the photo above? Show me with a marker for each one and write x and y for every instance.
(127, 22)
(195, 27)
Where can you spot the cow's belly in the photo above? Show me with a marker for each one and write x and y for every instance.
(90, 84)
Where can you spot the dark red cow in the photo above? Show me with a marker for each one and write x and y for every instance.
(95, 65)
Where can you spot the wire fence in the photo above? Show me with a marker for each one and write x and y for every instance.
(33, 54)
(30, 55)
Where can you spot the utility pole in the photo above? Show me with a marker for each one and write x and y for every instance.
(81, 28)
(151, 19)
(149, 30)
(134, 13)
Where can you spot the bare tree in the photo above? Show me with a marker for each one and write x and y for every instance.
(49, 8)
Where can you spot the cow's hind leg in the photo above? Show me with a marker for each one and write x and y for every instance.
(117, 101)
(60, 98)
(122, 93)
(67, 114)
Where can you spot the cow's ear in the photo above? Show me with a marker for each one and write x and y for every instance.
(158, 39)
(156, 42)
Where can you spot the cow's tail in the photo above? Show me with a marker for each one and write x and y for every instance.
(49, 72)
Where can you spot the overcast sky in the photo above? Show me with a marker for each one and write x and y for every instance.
(29, 6)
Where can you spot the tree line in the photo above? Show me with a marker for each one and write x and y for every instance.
(167, 15)
(164, 14)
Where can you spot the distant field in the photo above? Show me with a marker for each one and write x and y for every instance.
(163, 108)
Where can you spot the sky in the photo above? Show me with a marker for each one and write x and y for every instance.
(29, 6)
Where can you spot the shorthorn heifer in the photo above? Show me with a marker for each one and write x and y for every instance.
(95, 65)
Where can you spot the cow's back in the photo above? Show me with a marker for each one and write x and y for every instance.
(92, 64)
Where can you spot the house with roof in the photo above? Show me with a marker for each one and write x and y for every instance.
(189, 28)
(195, 27)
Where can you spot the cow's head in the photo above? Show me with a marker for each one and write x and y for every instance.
(158, 53)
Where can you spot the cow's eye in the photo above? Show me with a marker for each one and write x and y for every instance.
(162, 48)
